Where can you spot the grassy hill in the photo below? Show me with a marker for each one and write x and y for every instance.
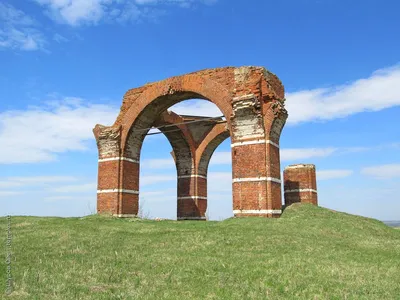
(309, 253)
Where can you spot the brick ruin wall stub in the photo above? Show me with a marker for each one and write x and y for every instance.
(300, 184)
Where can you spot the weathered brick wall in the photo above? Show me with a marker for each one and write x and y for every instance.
(300, 184)
(252, 101)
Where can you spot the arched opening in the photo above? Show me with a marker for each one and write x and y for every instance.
(157, 181)
(174, 176)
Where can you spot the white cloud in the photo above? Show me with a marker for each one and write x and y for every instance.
(332, 174)
(59, 198)
(18, 30)
(153, 179)
(291, 154)
(76, 188)
(158, 163)
(196, 108)
(219, 182)
(39, 133)
(156, 194)
(182, 3)
(91, 12)
(305, 153)
(382, 171)
(59, 38)
(75, 12)
(378, 91)
(221, 158)
(9, 193)
(7, 182)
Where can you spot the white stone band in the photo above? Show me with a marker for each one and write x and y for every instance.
(301, 167)
(191, 176)
(277, 180)
(192, 218)
(300, 190)
(118, 191)
(261, 211)
(125, 216)
(192, 197)
(254, 143)
(119, 158)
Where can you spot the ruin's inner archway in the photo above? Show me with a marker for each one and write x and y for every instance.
(251, 100)
(193, 140)
(158, 180)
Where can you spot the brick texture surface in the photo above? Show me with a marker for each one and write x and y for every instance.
(251, 100)
(300, 184)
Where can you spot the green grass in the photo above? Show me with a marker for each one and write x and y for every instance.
(308, 253)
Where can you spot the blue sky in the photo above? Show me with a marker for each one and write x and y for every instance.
(65, 65)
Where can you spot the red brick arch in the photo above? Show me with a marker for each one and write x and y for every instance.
(250, 98)
(193, 146)
(161, 95)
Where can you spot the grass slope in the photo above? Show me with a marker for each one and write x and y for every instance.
(309, 253)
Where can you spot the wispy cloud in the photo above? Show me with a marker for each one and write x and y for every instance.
(11, 186)
(378, 91)
(9, 193)
(153, 179)
(38, 134)
(75, 188)
(305, 153)
(221, 158)
(7, 182)
(333, 174)
(158, 163)
(85, 199)
(19, 31)
(386, 171)
(92, 12)
(220, 182)
(59, 38)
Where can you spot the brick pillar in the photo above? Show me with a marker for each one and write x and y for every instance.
(192, 196)
(193, 145)
(188, 179)
(184, 155)
(300, 184)
(254, 184)
(116, 194)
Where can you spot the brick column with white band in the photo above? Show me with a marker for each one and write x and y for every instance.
(300, 184)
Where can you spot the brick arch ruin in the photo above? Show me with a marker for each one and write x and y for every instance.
(193, 140)
(252, 102)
